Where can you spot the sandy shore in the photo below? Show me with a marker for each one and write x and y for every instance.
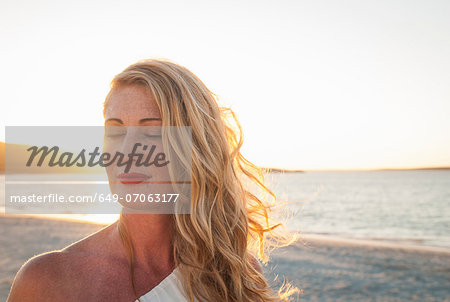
(328, 270)
(325, 269)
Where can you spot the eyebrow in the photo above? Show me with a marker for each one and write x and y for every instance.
(140, 121)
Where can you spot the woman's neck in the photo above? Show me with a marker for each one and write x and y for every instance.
(151, 236)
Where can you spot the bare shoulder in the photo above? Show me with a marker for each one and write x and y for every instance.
(31, 281)
(54, 275)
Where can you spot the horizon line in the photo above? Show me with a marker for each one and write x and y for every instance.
(273, 169)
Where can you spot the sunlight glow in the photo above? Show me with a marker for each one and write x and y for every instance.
(311, 89)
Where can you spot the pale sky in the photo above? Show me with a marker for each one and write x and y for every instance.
(315, 84)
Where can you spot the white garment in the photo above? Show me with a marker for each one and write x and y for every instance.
(169, 289)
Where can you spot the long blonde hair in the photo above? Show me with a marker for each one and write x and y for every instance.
(213, 246)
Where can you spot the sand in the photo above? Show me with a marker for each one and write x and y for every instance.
(324, 269)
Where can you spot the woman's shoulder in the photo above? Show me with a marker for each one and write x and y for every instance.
(31, 281)
(76, 269)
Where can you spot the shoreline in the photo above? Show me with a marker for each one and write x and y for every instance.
(308, 236)
(337, 240)
(313, 237)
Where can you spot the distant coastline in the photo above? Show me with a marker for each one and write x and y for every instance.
(426, 168)
(278, 170)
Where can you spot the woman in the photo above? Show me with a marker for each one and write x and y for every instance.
(206, 255)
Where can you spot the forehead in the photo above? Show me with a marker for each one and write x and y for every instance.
(131, 101)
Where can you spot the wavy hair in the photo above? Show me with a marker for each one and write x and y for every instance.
(230, 221)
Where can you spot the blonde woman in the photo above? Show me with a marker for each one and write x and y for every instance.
(209, 254)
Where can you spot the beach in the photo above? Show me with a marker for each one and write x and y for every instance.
(325, 269)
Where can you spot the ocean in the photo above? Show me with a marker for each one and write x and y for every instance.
(400, 206)
(410, 207)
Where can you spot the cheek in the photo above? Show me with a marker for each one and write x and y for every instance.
(155, 156)
(110, 147)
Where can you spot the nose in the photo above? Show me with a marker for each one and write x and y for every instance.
(131, 142)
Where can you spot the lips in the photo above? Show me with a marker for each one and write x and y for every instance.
(132, 178)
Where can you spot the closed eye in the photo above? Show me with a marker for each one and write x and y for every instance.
(115, 135)
(115, 131)
(156, 135)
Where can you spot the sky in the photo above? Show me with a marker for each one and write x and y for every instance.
(315, 84)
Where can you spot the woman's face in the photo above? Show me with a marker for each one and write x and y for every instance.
(132, 122)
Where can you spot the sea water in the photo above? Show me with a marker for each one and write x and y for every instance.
(401, 206)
